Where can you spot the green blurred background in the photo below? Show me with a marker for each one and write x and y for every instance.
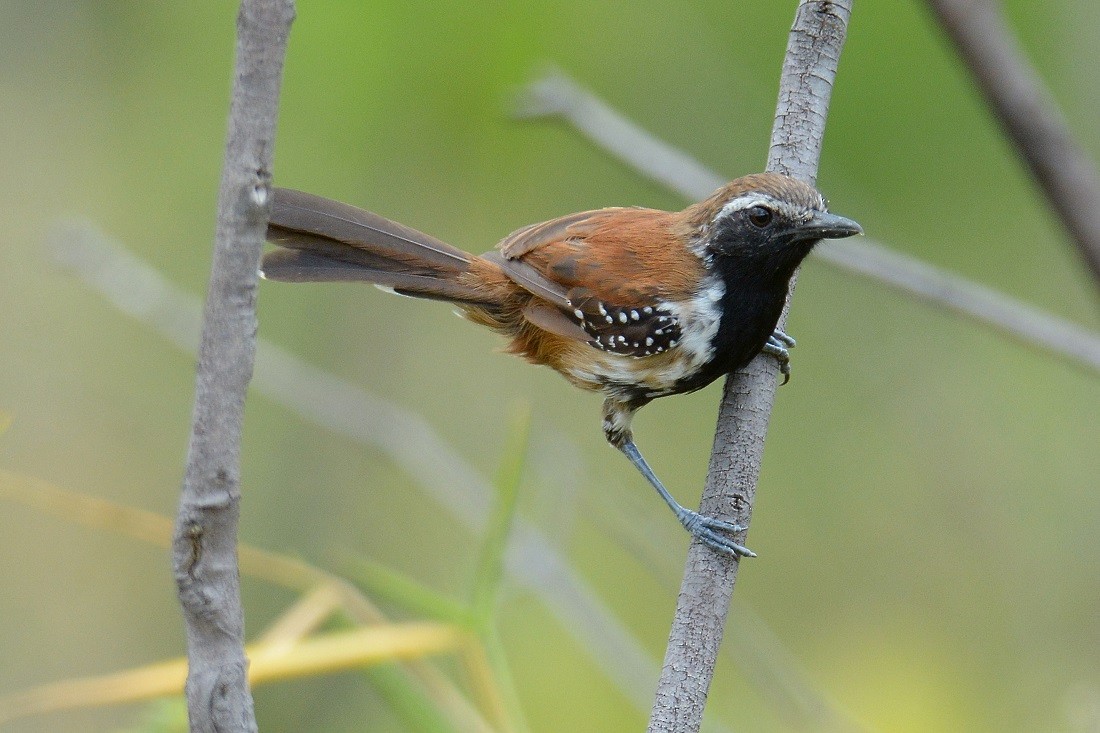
(928, 512)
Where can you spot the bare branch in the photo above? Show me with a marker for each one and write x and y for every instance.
(1026, 324)
(1030, 117)
(556, 95)
(559, 96)
(813, 51)
(204, 548)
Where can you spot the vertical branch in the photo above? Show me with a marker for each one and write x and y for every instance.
(813, 50)
(1030, 117)
(204, 547)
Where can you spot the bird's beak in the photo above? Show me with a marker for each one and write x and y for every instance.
(828, 226)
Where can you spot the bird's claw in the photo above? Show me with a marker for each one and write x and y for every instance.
(708, 530)
(779, 338)
(778, 345)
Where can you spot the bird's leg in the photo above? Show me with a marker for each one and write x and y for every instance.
(616, 425)
(778, 345)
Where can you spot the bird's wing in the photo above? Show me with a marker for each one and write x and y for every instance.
(613, 272)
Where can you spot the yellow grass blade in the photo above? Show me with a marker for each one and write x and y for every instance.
(325, 653)
(300, 620)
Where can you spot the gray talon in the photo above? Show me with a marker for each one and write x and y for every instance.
(724, 545)
(779, 338)
(720, 525)
(777, 345)
(707, 529)
(776, 349)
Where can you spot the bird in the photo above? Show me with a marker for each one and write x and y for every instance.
(632, 303)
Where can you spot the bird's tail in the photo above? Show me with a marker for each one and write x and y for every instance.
(322, 240)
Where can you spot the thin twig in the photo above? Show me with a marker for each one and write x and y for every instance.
(1023, 323)
(1030, 117)
(805, 87)
(204, 548)
(556, 95)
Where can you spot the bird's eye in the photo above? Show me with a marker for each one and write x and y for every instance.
(760, 216)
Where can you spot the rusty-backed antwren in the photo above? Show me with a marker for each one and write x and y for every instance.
(630, 302)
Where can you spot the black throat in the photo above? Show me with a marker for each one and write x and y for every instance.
(750, 309)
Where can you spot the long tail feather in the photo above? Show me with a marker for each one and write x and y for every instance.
(290, 265)
(296, 213)
(327, 241)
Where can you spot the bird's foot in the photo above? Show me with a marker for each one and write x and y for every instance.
(778, 345)
(709, 529)
(779, 338)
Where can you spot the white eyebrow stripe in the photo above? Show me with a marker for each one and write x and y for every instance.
(744, 202)
(756, 198)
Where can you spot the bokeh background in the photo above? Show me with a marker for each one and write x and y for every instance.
(928, 514)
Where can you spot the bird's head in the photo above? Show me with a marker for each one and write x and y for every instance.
(765, 223)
